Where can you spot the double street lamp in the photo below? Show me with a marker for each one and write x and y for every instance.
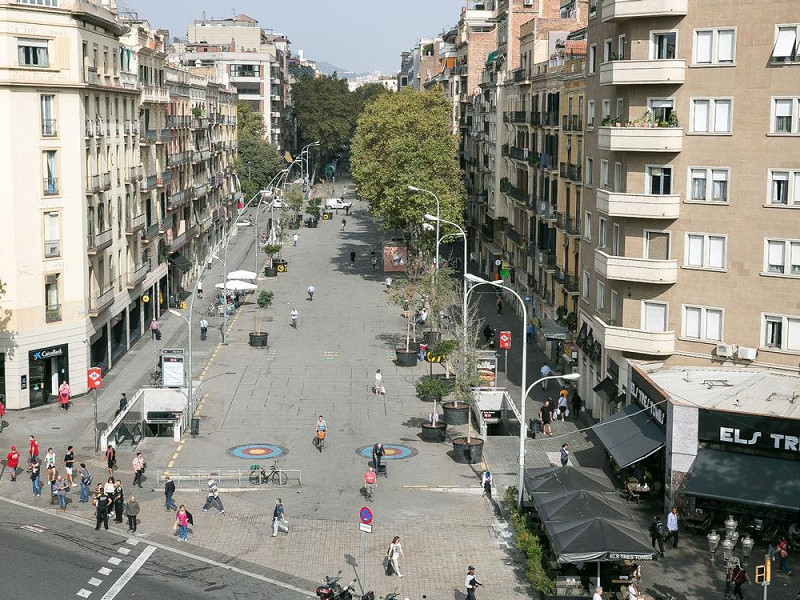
(414, 188)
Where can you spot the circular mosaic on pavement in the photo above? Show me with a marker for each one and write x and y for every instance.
(392, 451)
(257, 451)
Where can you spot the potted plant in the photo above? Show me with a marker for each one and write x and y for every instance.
(258, 338)
(271, 250)
(606, 122)
(281, 265)
(673, 119)
(295, 200)
(409, 292)
(467, 449)
(432, 389)
(314, 208)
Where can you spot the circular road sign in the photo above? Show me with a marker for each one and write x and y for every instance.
(365, 514)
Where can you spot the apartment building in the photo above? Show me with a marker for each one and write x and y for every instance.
(690, 251)
(253, 60)
(86, 98)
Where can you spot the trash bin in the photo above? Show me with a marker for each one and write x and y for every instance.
(195, 426)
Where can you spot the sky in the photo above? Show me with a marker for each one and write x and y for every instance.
(359, 35)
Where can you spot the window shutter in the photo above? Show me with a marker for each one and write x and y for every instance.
(700, 115)
(722, 115)
(793, 334)
(703, 47)
(725, 44)
(691, 322)
(713, 324)
(655, 317)
(783, 108)
(716, 252)
(775, 255)
(695, 255)
(784, 45)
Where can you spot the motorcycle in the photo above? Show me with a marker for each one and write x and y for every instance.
(332, 590)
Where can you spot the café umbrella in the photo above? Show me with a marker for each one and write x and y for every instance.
(242, 275)
(235, 284)
(561, 479)
(577, 505)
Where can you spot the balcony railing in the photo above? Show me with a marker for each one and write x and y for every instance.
(107, 180)
(642, 206)
(514, 235)
(641, 270)
(150, 232)
(52, 313)
(149, 183)
(151, 93)
(99, 241)
(515, 116)
(166, 177)
(52, 248)
(574, 173)
(200, 190)
(148, 135)
(518, 153)
(535, 118)
(49, 128)
(637, 341)
(570, 283)
(640, 139)
(179, 198)
(92, 184)
(177, 158)
(516, 193)
(136, 223)
(164, 135)
(571, 123)
(50, 187)
(643, 72)
(550, 119)
(134, 173)
(618, 10)
(99, 302)
(136, 276)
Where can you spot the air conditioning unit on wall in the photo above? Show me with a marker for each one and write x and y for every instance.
(726, 350)
(747, 353)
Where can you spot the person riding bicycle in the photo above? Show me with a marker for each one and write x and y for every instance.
(370, 481)
(322, 427)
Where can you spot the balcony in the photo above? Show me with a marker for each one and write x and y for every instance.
(134, 173)
(518, 153)
(147, 136)
(515, 193)
(50, 186)
(136, 276)
(49, 128)
(550, 119)
(619, 10)
(100, 128)
(89, 128)
(571, 123)
(150, 232)
(164, 135)
(638, 206)
(107, 180)
(640, 139)
(52, 313)
(177, 158)
(546, 259)
(639, 270)
(516, 116)
(151, 93)
(637, 341)
(200, 190)
(149, 183)
(100, 241)
(52, 248)
(535, 118)
(570, 283)
(136, 223)
(98, 303)
(643, 72)
(92, 184)
(575, 173)
(166, 177)
(178, 198)
(514, 235)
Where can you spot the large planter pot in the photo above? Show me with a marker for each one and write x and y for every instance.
(270, 271)
(258, 340)
(406, 359)
(433, 433)
(455, 414)
(467, 453)
(281, 266)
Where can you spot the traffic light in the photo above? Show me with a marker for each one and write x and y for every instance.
(761, 573)
(768, 567)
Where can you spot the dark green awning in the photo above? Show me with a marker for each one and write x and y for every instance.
(630, 435)
(180, 261)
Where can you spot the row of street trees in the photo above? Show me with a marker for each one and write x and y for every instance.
(258, 160)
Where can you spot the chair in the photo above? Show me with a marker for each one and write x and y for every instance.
(633, 495)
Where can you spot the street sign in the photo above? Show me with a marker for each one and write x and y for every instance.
(527, 298)
(95, 378)
(365, 514)
(505, 340)
(365, 527)
(504, 273)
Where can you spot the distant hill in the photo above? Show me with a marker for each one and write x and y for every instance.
(328, 69)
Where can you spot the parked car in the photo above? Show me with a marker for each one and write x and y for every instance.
(334, 203)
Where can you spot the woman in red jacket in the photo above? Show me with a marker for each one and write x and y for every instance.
(12, 462)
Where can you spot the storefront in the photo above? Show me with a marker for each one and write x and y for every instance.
(119, 336)
(47, 369)
(135, 321)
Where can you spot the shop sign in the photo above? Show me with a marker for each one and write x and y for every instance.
(46, 353)
(487, 368)
(751, 431)
(645, 394)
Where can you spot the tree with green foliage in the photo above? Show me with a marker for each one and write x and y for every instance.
(323, 107)
(258, 160)
(407, 139)
(364, 95)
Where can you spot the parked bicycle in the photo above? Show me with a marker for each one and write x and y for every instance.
(259, 475)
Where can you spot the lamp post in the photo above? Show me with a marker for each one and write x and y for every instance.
(414, 188)
(713, 542)
(308, 166)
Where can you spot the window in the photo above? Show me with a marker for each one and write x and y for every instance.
(587, 226)
(785, 115)
(602, 233)
(714, 46)
(616, 244)
(705, 251)
(621, 47)
(661, 109)
(32, 53)
(50, 174)
(782, 333)
(52, 305)
(590, 113)
(52, 235)
(606, 109)
(604, 174)
(620, 107)
(585, 285)
(589, 169)
(663, 45)
(607, 45)
(711, 115)
(601, 296)
(783, 257)
(46, 110)
(700, 191)
(613, 307)
(787, 44)
(592, 58)
(702, 323)
(617, 177)
(659, 181)
(654, 316)
(784, 187)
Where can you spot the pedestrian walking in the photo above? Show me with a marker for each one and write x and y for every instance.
(85, 480)
(294, 314)
(471, 583)
(33, 448)
(53, 482)
(310, 291)
(203, 329)
(50, 464)
(499, 305)
(111, 458)
(486, 484)
(118, 501)
(388, 283)
(155, 329)
(546, 416)
(374, 260)
(370, 482)
(69, 464)
(62, 487)
(380, 389)
(672, 527)
(279, 518)
(295, 237)
(2, 414)
(138, 469)
(182, 523)
(529, 333)
(132, 512)
(394, 553)
(320, 431)
(598, 593)
(378, 453)
(577, 405)
(200, 289)
(109, 487)
(212, 497)
(344, 224)
(36, 481)
(352, 259)
(546, 372)
(12, 462)
(562, 405)
(169, 492)
(64, 394)
(101, 503)
(123, 402)
(782, 550)
(739, 578)
(657, 534)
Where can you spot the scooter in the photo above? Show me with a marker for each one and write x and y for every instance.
(332, 590)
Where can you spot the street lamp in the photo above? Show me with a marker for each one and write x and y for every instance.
(713, 542)
(430, 217)
(414, 188)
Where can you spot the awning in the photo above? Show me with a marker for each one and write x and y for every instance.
(630, 435)
(180, 261)
(492, 57)
(745, 479)
(785, 42)
(606, 389)
(553, 331)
